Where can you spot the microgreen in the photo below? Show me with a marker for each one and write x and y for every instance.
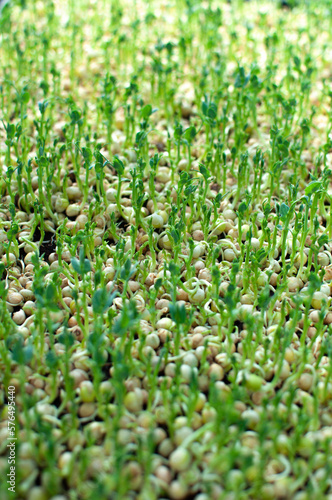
(165, 248)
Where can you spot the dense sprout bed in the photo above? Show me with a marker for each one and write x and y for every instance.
(165, 246)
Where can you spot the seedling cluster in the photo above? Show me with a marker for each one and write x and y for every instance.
(166, 249)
